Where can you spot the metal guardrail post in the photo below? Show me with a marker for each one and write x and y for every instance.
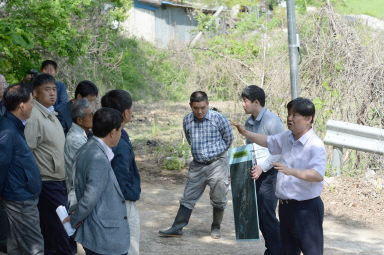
(337, 160)
(352, 136)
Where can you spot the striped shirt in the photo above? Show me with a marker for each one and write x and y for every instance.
(209, 137)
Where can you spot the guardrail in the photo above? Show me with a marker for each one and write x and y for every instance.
(352, 136)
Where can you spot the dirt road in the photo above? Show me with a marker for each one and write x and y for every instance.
(159, 203)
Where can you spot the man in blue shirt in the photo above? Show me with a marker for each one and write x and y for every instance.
(20, 181)
(50, 67)
(85, 89)
(210, 135)
(124, 165)
(264, 122)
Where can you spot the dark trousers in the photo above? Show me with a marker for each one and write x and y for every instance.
(56, 240)
(301, 226)
(24, 235)
(266, 203)
(89, 252)
(3, 226)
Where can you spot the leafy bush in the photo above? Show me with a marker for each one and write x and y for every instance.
(176, 156)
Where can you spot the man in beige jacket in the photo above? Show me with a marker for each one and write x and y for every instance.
(45, 137)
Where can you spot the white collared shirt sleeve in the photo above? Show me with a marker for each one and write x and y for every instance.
(275, 143)
(267, 164)
(318, 159)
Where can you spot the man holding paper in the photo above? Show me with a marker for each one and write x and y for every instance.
(264, 122)
(100, 214)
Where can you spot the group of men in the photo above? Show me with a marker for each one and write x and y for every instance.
(83, 159)
(291, 176)
(68, 154)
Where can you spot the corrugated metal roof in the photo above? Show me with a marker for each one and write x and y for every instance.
(151, 2)
(177, 4)
(154, 4)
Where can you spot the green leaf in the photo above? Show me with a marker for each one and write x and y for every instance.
(326, 85)
(318, 103)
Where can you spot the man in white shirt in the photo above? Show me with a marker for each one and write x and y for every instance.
(300, 178)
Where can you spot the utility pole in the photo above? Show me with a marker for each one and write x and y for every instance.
(294, 44)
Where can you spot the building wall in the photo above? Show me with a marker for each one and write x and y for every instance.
(164, 27)
(173, 27)
(141, 24)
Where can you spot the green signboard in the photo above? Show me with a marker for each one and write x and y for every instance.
(244, 198)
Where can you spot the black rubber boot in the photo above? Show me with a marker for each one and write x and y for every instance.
(218, 214)
(181, 220)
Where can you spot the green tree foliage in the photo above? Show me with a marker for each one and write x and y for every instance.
(31, 30)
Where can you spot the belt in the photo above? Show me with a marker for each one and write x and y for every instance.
(293, 201)
(210, 161)
(206, 162)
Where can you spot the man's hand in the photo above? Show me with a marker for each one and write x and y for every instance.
(283, 168)
(254, 137)
(240, 128)
(309, 175)
(256, 172)
(68, 218)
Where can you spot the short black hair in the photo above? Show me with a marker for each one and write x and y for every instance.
(198, 96)
(85, 88)
(302, 106)
(42, 79)
(117, 99)
(105, 120)
(15, 95)
(47, 63)
(252, 93)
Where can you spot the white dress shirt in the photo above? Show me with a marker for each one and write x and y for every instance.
(308, 152)
(50, 109)
(108, 150)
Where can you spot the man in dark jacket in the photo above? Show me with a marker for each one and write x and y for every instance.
(85, 89)
(20, 181)
(124, 165)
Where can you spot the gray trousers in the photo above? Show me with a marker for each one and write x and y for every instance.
(24, 236)
(134, 227)
(3, 225)
(199, 176)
